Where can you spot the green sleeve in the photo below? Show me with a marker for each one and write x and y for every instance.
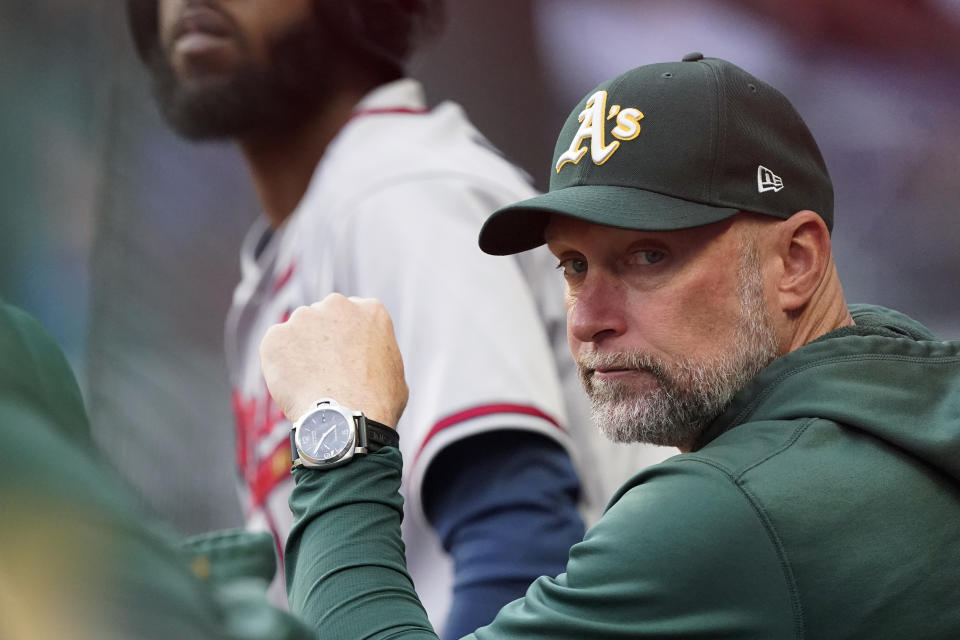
(346, 571)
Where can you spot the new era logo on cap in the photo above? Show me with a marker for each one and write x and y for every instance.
(767, 180)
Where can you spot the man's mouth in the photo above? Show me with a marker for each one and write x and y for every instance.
(199, 28)
(201, 19)
(201, 40)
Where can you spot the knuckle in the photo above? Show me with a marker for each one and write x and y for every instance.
(298, 313)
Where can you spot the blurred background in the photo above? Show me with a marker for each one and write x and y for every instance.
(123, 240)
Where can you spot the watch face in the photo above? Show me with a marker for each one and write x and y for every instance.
(325, 435)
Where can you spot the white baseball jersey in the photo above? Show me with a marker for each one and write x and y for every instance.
(393, 212)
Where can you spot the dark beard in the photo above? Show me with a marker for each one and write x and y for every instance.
(252, 100)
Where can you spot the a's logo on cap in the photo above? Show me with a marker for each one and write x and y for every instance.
(592, 121)
(767, 180)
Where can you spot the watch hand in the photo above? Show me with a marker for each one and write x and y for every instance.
(324, 436)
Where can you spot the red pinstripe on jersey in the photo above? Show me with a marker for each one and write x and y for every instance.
(480, 411)
(284, 278)
(386, 111)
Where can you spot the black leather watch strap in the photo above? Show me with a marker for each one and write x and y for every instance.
(380, 435)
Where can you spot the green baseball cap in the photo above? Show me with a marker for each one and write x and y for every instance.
(671, 146)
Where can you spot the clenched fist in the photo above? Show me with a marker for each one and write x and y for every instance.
(340, 348)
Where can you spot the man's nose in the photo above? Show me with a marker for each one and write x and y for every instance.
(596, 309)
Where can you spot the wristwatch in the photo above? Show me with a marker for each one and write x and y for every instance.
(330, 435)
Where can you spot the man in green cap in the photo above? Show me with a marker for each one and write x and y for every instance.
(817, 493)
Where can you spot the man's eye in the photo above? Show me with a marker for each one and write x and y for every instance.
(573, 266)
(649, 256)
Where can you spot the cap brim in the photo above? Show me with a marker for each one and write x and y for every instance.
(520, 226)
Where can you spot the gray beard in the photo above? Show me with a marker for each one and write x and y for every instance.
(687, 394)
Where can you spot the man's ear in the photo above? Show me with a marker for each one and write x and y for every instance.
(803, 244)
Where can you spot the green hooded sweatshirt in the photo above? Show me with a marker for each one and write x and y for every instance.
(823, 503)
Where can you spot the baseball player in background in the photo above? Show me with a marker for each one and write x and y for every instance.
(365, 191)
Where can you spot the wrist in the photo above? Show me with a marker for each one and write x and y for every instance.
(330, 435)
